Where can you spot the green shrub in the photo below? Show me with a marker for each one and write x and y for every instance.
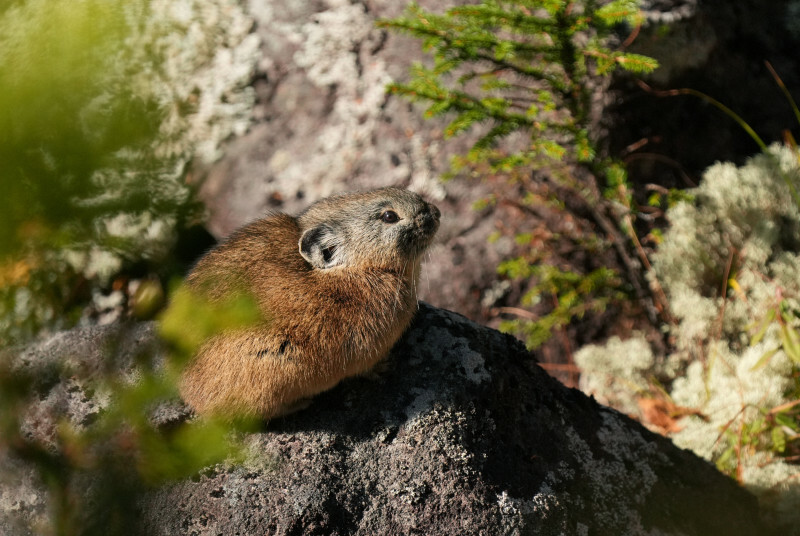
(103, 105)
(93, 425)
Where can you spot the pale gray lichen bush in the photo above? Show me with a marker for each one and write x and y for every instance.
(158, 84)
(614, 381)
(739, 235)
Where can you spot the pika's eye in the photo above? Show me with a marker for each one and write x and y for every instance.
(327, 253)
(390, 216)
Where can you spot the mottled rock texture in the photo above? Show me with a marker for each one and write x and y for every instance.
(323, 122)
(460, 433)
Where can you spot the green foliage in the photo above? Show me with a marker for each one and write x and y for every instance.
(788, 337)
(669, 198)
(520, 76)
(572, 295)
(95, 470)
(191, 319)
(518, 66)
(99, 117)
(775, 430)
(103, 105)
(60, 124)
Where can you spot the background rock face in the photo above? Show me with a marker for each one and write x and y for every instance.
(461, 433)
(324, 124)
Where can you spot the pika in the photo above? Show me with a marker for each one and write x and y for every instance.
(336, 286)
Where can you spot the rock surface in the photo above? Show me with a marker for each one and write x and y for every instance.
(461, 433)
(323, 122)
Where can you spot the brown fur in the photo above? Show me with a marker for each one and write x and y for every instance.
(322, 323)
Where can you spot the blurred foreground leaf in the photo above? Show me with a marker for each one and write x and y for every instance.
(192, 319)
(100, 117)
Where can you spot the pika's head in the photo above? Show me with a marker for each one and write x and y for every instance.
(387, 228)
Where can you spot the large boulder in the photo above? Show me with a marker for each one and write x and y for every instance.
(461, 432)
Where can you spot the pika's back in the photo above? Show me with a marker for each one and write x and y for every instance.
(336, 286)
(259, 254)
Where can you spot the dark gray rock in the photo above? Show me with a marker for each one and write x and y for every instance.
(460, 433)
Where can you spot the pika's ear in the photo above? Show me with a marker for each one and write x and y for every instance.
(320, 246)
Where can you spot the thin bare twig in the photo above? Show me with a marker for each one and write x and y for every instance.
(516, 311)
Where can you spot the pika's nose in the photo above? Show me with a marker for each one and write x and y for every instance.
(429, 218)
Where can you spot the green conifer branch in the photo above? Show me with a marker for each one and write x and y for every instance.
(527, 66)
